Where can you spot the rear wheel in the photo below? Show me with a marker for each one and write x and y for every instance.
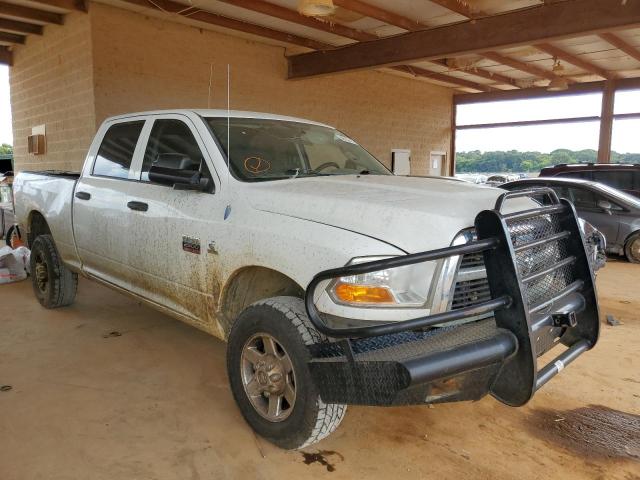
(267, 359)
(632, 248)
(53, 284)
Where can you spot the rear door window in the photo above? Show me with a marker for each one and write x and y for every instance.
(582, 174)
(621, 179)
(582, 198)
(116, 151)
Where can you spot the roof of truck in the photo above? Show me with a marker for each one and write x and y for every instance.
(221, 113)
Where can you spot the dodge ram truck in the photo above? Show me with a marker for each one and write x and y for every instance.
(333, 281)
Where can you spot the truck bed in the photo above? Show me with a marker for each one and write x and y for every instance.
(48, 193)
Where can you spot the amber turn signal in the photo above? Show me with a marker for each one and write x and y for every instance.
(352, 293)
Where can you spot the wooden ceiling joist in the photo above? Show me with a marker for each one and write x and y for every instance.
(289, 15)
(273, 10)
(522, 66)
(20, 27)
(573, 60)
(441, 77)
(11, 38)
(6, 57)
(26, 13)
(542, 24)
(621, 45)
(383, 15)
(458, 6)
(482, 73)
(194, 13)
(80, 5)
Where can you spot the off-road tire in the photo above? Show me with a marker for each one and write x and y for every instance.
(632, 243)
(285, 319)
(61, 284)
(8, 235)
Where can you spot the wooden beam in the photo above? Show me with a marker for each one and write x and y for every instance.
(620, 44)
(542, 92)
(20, 27)
(65, 4)
(441, 77)
(458, 6)
(11, 38)
(27, 13)
(6, 56)
(195, 13)
(289, 15)
(523, 27)
(606, 122)
(525, 123)
(573, 60)
(383, 15)
(482, 73)
(522, 66)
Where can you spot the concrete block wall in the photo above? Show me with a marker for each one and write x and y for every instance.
(51, 84)
(113, 61)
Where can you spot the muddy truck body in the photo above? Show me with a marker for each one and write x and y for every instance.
(333, 281)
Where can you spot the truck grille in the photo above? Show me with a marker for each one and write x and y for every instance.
(535, 261)
(472, 287)
(545, 283)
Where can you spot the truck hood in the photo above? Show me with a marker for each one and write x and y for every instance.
(411, 213)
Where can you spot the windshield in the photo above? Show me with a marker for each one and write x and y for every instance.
(262, 149)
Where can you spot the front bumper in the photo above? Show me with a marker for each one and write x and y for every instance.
(542, 295)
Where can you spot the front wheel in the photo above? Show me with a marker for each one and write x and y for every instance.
(267, 359)
(632, 248)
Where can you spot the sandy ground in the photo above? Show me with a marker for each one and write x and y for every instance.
(153, 403)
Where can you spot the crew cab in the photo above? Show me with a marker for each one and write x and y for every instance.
(333, 281)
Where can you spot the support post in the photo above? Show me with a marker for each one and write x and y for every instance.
(452, 153)
(606, 121)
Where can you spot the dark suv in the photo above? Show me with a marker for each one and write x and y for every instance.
(623, 176)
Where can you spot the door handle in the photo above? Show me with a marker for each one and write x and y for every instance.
(138, 206)
(83, 195)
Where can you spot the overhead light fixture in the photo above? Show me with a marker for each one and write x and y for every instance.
(558, 84)
(316, 8)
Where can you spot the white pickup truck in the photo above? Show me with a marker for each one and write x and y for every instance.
(333, 281)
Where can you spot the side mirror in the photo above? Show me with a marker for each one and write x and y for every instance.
(179, 179)
(606, 206)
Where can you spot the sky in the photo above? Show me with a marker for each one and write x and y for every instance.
(545, 138)
(5, 109)
(542, 138)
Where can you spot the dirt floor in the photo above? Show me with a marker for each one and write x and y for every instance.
(108, 389)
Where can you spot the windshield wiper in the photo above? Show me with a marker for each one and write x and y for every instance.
(300, 172)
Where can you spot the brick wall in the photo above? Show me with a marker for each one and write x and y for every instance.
(143, 63)
(51, 83)
(113, 61)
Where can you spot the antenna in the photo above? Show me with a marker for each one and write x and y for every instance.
(228, 122)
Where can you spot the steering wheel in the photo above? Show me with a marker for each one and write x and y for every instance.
(327, 165)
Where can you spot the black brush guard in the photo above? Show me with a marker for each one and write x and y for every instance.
(542, 294)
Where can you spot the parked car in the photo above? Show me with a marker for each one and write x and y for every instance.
(613, 212)
(623, 176)
(497, 180)
(436, 290)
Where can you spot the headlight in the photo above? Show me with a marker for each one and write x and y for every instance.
(395, 287)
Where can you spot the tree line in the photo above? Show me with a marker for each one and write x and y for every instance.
(6, 149)
(515, 161)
